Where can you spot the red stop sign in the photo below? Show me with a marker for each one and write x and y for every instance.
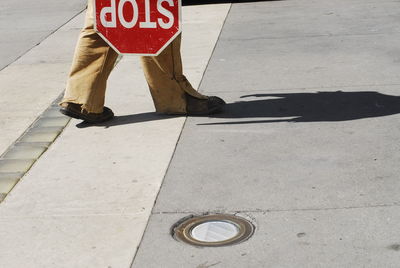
(143, 27)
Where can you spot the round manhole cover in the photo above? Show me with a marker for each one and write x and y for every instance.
(213, 230)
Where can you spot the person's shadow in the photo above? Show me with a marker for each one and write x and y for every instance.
(312, 107)
(290, 107)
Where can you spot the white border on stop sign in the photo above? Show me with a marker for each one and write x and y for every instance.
(133, 54)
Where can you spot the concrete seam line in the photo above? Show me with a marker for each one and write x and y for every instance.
(215, 46)
(22, 154)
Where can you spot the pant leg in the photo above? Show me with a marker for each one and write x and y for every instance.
(91, 66)
(168, 85)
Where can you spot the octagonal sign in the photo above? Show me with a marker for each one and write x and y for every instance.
(142, 27)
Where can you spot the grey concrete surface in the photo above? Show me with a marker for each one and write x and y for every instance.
(308, 142)
(287, 45)
(324, 238)
(300, 150)
(24, 24)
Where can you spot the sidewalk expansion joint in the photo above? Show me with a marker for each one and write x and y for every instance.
(17, 160)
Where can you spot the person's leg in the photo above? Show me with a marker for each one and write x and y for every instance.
(171, 91)
(92, 64)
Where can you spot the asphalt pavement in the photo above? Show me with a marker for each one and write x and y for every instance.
(307, 148)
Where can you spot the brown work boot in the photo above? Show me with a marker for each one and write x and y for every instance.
(211, 105)
(75, 110)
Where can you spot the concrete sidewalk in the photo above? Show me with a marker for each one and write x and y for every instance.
(307, 149)
(86, 201)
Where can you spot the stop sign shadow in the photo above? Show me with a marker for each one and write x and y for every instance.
(139, 27)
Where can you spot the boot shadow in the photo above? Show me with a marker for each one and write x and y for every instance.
(128, 119)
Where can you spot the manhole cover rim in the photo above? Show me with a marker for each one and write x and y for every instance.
(183, 230)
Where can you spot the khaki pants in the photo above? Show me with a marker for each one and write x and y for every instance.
(94, 60)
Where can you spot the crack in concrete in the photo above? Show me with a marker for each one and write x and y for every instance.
(312, 88)
(276, 210)
(307, 36)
